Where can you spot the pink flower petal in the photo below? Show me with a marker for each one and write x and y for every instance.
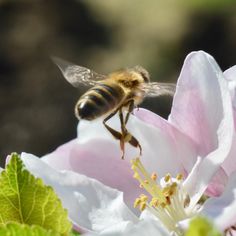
(198, 91)
(181, 147)
(222, 210)
(197, 106)
(98, 159)
(96, 154)
(218, 183)
(91, 205)
(207, 119)
(158, 148)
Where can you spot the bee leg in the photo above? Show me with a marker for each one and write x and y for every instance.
(126, 136)
(134, 142)
(130, 109)
(124, 133)
(115, 134)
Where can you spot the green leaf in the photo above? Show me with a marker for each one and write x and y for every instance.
(16, 229)
(200, 226)
(26, 200)
(72, 233)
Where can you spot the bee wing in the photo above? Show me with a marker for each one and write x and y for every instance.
(77, 75)
(153, 89)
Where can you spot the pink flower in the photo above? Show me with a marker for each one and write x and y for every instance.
(197, 140)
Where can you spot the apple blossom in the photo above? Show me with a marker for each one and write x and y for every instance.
(196, 144)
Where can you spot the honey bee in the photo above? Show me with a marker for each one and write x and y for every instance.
(119, 91)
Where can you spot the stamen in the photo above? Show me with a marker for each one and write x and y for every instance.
(154, 176)
(179, 177)
(137, 202)
(168, 199)
(143, 198)
(143, 206)
(149, 184)
(154, 202)
(167, 178)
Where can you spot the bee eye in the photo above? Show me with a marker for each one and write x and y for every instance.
(135, 82)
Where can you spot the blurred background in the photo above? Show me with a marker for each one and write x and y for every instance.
(37, 104)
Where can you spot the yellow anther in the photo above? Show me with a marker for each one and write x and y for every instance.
(142, 206)
(154, 202)
(167, 178)
(146, 182)
(143, 198)
(163, 204)
(179, 177)
(140, 186)
(171, 191)
(154, 176)
(174, 185)
(166, 191)
(136, 175)
(137, 202)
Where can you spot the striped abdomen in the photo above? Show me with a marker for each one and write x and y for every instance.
(98, 101)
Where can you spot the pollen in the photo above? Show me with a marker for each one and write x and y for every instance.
(154, 176)
(179, 177)
(167, 178)
(142, 206)
(168, 199)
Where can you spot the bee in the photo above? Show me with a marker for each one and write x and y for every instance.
(116, 93)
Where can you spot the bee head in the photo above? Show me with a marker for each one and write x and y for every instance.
(144, 73)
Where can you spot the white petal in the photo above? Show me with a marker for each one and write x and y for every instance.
(207, 118)
(229, 164)
(222, 210)
(91, 205)
(230, 75)
(146, 226)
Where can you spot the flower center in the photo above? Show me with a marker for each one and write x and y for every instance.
(168, 201)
